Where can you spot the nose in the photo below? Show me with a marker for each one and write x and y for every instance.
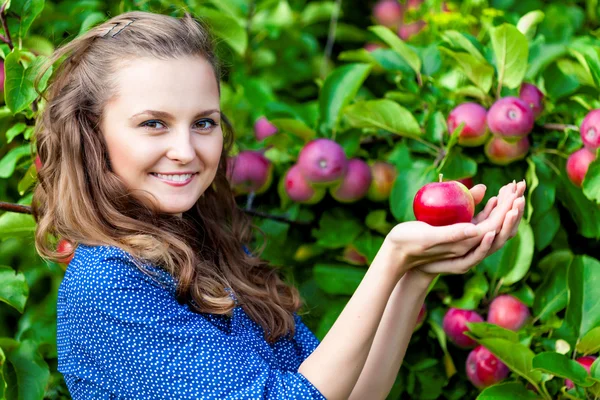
(181, 148)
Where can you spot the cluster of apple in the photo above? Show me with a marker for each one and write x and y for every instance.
(484, 368)
(322, 165)
(579, 162)
(504, 128)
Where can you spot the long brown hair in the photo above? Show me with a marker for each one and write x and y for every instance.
(79, 198)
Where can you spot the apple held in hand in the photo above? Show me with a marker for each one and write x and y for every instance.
(444, 203)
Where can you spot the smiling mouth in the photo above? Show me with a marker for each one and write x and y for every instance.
(175, 179)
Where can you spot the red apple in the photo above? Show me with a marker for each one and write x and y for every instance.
(501, 152)
(38, 163)
(408, 30)
(468, 182)
(352, 256)
(578, 164)
(421, 317)
(322, 162)
(444, 203)
(384, 175)
(485, 369)
(355, 184)
(475, 130)
(299, 190)
(455, 324)
(590, 130)
(586, 362)
(2, 76)
(508, 312)
(533, 96)
(263, 129)
(65, 247)
(388, 13)
(511, 118)
(249, 171)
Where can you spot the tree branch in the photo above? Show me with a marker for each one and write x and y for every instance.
(6, 39)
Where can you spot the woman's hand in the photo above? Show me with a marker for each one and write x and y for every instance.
(456, 248)
(500, 219)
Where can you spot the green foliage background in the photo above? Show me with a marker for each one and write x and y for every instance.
(391, 105)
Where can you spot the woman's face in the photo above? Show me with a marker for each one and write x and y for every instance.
(163, 129)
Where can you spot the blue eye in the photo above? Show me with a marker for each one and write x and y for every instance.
(207, 124)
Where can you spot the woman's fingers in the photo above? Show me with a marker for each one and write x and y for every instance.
(478, 193)
(460, 265)
(506, 198)
(492, 202)
(510, 226)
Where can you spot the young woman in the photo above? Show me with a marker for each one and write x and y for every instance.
(162, 300)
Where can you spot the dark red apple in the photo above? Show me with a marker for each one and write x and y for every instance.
(299, 190)
(485, 369)
(455, 324)
(578, 164)
(384, 175)
(533, 96)
(590, 130)
(501, 152)
(475, 130)
(444, 203)
(354, 184)
(508, 312)
(511, 118)
(249, 171)
(322, 162)
(586, 362)
(468, 182)
(388, 13)
(65, 247)
(263, 129)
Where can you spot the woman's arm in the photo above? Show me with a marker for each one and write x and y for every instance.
(392, 337)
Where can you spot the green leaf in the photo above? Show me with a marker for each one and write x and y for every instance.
(227, 28)
(28, 11)
(591, 182)
(507, 391)
(560, 365)
(369, 244)
(479, 72)
(458, 165)
(338, 278)
(511, 50)
(515, 355)
(585, 212)
(32, 372)
(590, 342)
(295, 127)
(13, 288)
(475, 289)
(545, 228)
(317, 12)
(406, 187)
(483, 330)
(338, 90)
(392, 40)
(512, 262)
(541, 55)
(528, 22)
(19, 88)
(377, 221)
(16, 225)
(10, 160)
(532, 184)
(337, 228)
(436, 128)
(14, 131)
(583, 311)
(383, 114)
(91, 20)
(459, 41)
(552, 295)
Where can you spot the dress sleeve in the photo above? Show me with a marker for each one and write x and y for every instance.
(136, 341)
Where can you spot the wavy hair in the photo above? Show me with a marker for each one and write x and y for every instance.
(80, 199)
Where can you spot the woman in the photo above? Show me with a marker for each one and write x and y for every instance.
(162, 299)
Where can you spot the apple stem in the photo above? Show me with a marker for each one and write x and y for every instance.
(441, 176)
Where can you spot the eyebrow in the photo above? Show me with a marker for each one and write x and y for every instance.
(166, 115)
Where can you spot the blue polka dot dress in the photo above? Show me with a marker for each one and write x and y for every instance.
(122, 334)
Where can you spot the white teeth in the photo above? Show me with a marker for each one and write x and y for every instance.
(174, 178)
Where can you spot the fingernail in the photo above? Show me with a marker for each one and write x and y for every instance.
(471, 231)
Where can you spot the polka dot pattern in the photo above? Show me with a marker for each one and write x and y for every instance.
(122, 334)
